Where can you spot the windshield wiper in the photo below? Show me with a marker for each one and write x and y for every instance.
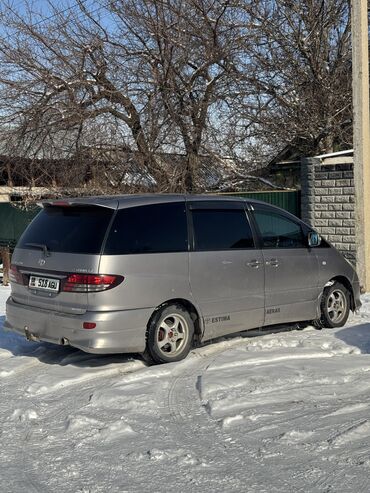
(43, 247)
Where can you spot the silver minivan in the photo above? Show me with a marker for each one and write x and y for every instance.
(158, 274)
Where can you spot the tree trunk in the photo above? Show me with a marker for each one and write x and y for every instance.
(149, 160)
(9, 173)
(190, 182)
(5, 255)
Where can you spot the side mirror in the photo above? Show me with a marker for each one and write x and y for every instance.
(314, 239)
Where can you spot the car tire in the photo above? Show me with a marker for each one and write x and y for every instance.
(169, 335)
(335, 306)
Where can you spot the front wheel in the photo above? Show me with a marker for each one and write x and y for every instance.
(335, 306)
(170, 334)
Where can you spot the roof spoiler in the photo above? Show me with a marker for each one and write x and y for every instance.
(76, 202)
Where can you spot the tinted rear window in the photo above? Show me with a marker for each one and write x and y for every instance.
(153, 228)
(68, 229)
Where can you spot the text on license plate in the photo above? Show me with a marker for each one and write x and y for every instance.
(44, 283)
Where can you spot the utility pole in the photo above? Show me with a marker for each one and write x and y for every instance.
(361, 136)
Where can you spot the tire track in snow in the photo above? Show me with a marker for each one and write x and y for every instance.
(26, 479)
(194, 424)
(52, 409)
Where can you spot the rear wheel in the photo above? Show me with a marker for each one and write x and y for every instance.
(170, 334)
(335, 306)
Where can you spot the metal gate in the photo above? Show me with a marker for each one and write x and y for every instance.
(13, 221)
(290, 200)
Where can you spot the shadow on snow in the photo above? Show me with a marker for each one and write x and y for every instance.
(356, 335)
(54, 354)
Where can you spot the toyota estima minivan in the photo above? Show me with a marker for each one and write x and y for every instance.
(157, 274)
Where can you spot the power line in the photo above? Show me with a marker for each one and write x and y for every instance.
(56, 14)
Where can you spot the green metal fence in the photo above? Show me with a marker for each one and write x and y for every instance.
(13, 221)
(290, 200)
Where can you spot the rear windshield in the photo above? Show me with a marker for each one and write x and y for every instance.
(79, 229)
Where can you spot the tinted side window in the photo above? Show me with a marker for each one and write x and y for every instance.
(221, 229)
(149, 229)
(278, 231)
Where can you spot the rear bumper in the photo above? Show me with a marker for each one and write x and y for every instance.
(115, 332)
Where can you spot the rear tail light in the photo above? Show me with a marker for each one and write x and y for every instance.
(14, 275)
(89, 325)
(90, 283)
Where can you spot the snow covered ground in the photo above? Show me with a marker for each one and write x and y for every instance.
(274, 412)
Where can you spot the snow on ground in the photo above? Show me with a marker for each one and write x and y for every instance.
(274, 412)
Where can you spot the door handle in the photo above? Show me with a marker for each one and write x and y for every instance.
(254, 263)
(273, 262)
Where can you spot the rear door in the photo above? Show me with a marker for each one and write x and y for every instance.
(291, 267)
(226, 268)
(61, 240)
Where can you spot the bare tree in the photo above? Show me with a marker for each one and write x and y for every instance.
(70, 70)
(302, 76)
(162, 70)
(192, 48)
(194, 77)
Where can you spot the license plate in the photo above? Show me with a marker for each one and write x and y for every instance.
(44, 283)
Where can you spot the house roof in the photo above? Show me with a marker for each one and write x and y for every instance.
(332, 158)
(348, 152)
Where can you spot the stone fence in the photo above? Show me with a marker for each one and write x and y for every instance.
(328, 200)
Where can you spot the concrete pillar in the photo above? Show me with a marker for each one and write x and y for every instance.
(361, 136)
(308, 190)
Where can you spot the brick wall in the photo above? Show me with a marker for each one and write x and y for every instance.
(328, 202)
